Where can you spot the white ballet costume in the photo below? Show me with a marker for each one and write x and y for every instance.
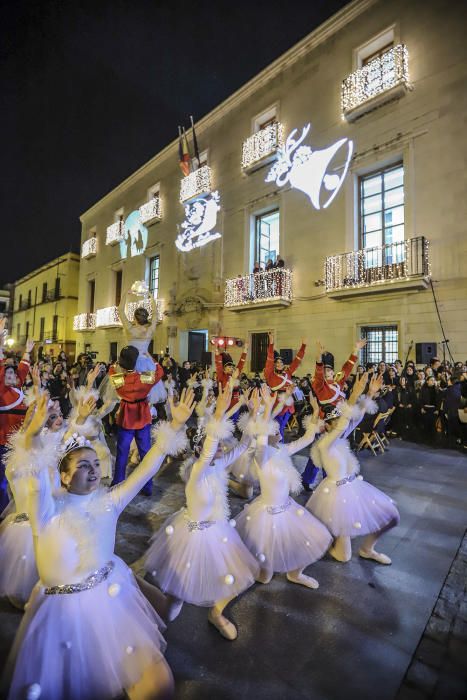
(197, 556)
(347, 504)
(88, 631)
(277, 530)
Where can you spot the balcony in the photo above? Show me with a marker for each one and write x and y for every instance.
(384, 78)
(108, 318)
(24, 304)
(89, 248)
(51, 295)
(151, 211)
(146, 304)
(261, 148)
(257, 290)
(388, 268)
(115, 233)
(84, 322)
(196, 184)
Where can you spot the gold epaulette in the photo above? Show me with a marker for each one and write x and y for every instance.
(148, 377)
(338, 376)
(118, 380)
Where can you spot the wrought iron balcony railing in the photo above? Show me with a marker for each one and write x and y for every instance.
(196, 183)
(84, 322)
(261, 147)
(108, 317)
(379, 265)
(151, 211)
(115, 233)
(268, 288)
(23, 305)
(145, 303)
(384, 78)
(89, 248)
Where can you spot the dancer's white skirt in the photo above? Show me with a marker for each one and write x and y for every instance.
(244, 470)
(282, 540)
(352, 509)
(88, 645)
(18, 572)
(200, 566)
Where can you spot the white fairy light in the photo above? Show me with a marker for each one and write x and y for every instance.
(84, 322)
(196, 183)
(376, 77)
(151, 211)
(262, 144)
(131, 307)
(259, 287)
(89, 248)
(115, 233)
(107, 317)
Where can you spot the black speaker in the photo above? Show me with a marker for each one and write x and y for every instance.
(424, 352)
(206, 358)
(287, 355)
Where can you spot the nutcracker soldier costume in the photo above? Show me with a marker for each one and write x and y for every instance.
(225, 368)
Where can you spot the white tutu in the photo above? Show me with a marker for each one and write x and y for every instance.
(86, 645)
(284, 538)
(351, 509)
(244, 468)
(200, 566)
(145, 363)
(18, 571)
(158, 393)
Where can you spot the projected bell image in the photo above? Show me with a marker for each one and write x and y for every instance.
(319, 174)
(135, 236)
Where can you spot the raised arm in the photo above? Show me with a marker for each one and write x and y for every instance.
(348, 366)
(269, 367)
(298, 357)
(242, 360)
(216, 429)
(220, 374)
(127, 325)
(312, 430)
(24, 366)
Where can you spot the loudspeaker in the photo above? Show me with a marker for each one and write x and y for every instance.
(206, 359)
(424, 352)
(287, 355)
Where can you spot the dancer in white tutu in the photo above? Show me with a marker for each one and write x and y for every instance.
(88, 631)
(282, 535)
(344, 501)
(197, 556)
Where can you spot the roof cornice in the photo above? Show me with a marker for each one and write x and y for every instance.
(294, 54)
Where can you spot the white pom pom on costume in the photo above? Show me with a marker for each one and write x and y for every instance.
(259, 426)
(360, 477)
(357, 525)
(129, 650)
(169, 530)
(261, 557)
(326, 490)
(368, 405)
(168, 440)
(243, 421)
(300, 511)
(113, 590)
(233, 523)
(350, 411)
(34, 692)
(229, 579)
(219, 429)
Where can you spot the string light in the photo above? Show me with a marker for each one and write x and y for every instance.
(196, 183)
(151, 211)
(84, 322)
(262, 144)
(259, 287)
(375, 78)
(89, 248)
(107, 317)
(115, 233)
(378, 265)
(146, 304)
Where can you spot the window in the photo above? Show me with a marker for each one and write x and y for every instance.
(27, 330)
(55, 327)
(154, 276)
(18, 331)
(57, 288)
(29, 299)
(20, 302)
(91, 295)
(382, 215)
(259, 351)
(44, 292)
(266, 237)
(382, 345)
(375, 47)
(113, 352)
(41, 331)
(377, 53)
(118, 287)
(269, 116)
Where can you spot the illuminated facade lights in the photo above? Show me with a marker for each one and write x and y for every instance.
(89, 248)
(262, 146)
(381, 75)
(196, 183)
(84, 322)
(131, 307)
(259, 288)
(200, 223)
(115, 233)
(108, 317)
(151, 211)
(379, 265)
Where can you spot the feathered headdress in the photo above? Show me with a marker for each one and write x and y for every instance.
(75, 442)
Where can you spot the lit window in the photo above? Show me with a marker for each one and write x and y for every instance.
(154, 276)
(382, 344)
(267, 237)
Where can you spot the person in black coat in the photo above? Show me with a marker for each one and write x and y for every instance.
(429, 408)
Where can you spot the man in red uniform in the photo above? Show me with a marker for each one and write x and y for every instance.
(328, 387)
(224, 370)
(134, 415)
(279, 378)
(12, 407)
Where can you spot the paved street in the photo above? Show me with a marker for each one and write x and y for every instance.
(357, 635)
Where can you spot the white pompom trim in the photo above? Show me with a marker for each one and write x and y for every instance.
(220, 429)
(350, 411)
(368, 405)
(243, 421)
(168, 440)
(82, 392)
(21, 462)
(308, 424)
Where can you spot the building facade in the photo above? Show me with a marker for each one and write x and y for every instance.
(5, 306)
(346, 158)
(45, 304)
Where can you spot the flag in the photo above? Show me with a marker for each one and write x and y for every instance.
(183, 152)
(195, 144)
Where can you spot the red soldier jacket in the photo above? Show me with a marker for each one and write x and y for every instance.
(331, 392)
(278, 382)
(133, 389)
(12, 407)
(223, 378)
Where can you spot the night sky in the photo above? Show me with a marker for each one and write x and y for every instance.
(92, 90)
